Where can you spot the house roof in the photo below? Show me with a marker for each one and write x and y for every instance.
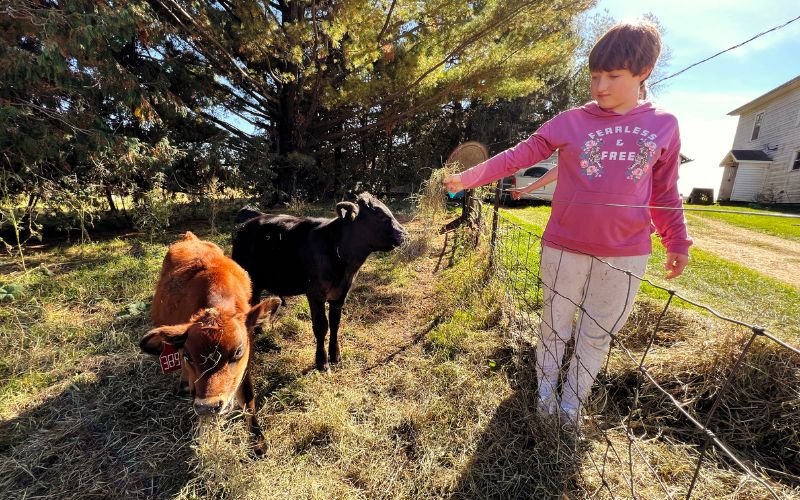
(792, 84)
(748, 155)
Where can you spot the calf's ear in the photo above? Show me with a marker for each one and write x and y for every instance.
(176, 335)
(345, 209)
(261, 311)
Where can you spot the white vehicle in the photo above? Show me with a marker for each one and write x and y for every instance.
(527, 176)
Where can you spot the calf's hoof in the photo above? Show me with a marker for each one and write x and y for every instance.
(259, 446)
(322, 362)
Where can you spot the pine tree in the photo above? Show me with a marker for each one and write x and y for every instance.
(270, 96)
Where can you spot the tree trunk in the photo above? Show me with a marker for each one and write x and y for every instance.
(338, 154)
(289, 136)
(111, 206)
(382, 183)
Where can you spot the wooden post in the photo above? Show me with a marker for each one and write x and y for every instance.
(467, 155)
(495, 215)
(466, 202)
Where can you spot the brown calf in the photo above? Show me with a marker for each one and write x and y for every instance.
(202, 307)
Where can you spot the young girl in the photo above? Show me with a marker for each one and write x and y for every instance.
(617, 155)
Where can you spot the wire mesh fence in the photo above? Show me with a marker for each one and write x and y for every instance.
(687, 402)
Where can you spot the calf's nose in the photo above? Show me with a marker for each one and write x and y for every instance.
(207, 407)
(400, 234)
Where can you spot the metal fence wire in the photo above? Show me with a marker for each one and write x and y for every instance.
(688, 403)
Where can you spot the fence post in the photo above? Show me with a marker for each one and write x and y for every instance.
(498, 191)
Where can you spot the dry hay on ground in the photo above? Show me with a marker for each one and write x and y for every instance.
(758, 414)
(112, 430)
(430, 401)
(691, 355)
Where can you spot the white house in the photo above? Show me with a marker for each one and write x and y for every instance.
(764, 163)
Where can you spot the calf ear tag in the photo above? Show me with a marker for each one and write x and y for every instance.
(170, 358)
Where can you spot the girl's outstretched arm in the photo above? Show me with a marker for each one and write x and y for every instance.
(542, 181)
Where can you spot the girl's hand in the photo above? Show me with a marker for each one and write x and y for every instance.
(516, 193)
(453, 183)
(675, 264)
(547, 178)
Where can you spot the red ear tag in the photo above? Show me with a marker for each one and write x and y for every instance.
(170, 358)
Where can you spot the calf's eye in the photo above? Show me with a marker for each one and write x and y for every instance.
(238, 354)
(187, 357)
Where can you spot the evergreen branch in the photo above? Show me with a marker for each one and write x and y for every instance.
(386, 22)
(52, 115)
(263, 95)
(459, 48)
(227, 126)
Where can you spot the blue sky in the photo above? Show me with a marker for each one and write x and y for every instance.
(702, 97)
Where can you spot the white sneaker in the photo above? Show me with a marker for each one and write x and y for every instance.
(548, 405)
(570, 418)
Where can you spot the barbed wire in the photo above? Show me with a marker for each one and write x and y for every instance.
(681, 209)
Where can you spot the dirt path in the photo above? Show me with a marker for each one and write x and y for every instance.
(776, 257)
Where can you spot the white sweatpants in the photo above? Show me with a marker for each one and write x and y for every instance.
(606, 296)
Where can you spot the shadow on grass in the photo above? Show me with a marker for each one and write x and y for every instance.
(520, 454)
(369, 306)
(116, 431)
(74, 264)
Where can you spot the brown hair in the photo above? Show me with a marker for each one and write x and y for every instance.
(631, 46)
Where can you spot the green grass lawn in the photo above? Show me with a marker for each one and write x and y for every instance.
(777, 226)
(70, 305)
(726, 287)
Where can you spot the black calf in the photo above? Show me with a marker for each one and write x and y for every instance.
(289, 255)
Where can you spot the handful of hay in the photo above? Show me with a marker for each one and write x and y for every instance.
(431, 207)
(432, 198)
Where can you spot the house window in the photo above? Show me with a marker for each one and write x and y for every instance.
(797, 123)
(535, 172)
(796, 160)
(757, 126)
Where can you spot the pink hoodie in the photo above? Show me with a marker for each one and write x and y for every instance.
(604, 158)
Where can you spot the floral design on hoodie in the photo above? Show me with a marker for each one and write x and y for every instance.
(639, 166)
(590, 158)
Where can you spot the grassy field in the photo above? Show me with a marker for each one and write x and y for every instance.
(434, 397)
